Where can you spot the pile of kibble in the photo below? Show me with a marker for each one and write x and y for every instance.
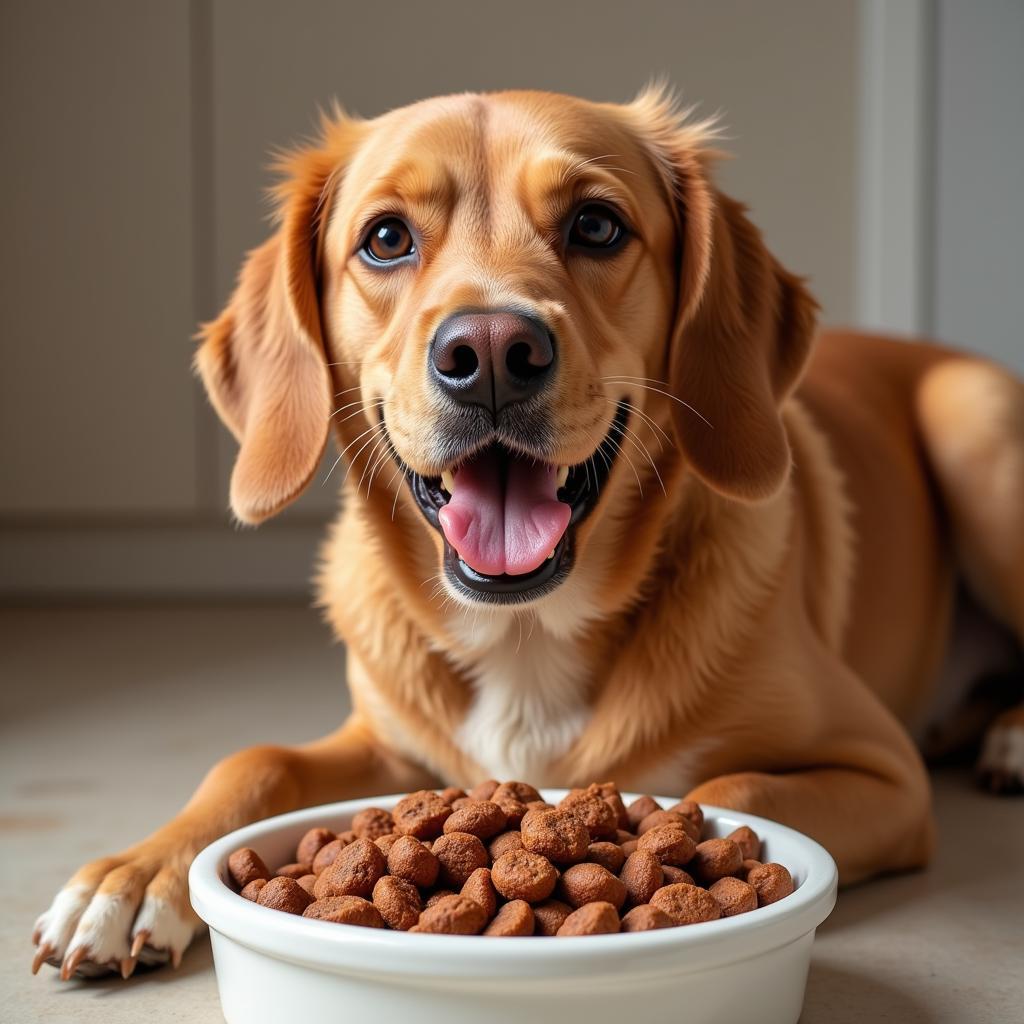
(502, 861)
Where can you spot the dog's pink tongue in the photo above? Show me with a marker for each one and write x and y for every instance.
(504, 517)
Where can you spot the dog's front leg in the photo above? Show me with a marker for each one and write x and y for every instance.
(134, 906)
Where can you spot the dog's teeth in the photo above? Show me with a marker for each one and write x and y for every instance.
(563, 475)
(448, 481)
(552, 555)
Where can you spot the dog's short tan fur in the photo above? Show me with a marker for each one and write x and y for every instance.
(761, 601)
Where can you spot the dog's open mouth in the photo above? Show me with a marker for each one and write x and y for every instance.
(508, 519)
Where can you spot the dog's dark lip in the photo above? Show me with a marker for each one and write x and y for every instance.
(581, 492)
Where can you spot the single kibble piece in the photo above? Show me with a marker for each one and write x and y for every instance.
(608, 855)
(252, 890)
(420, 814)
(748, 842)
(771, 882)
(384, 843)
(459, 855)
(479, 887)
(295, 871)
(521, 791)
(245, 866)
(686, 904)
(746, 867)
(307, 882)
(629, 847)
(591, 919)
(591, 883)
(312, 843)
(462, 801)
(714, 859)
(504, 843)
(284, 894)
(484, 790)
(327, 854)
(642, 876)
(539, 805)
(673, 875)
(514, 810)
(454, 915)
(639, 809)
(452, 793)
(354, 872)
(660, 818)
(515, 918)
(482, 818)
(398, 902)
(556, 835)
(610, 794)
(372, 822)
(591, 811)
(549, 916)
(645, 919)
(690, 810)
(522, 875)
(733, 896)
(408, 858)
(348, 836)
(345, 910)
(669, 844)
(437, 895)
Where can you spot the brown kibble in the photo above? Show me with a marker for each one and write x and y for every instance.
(514, 810)
(252, 890)
(482, 818)
(408, 858)
(686, 904)
(420, 814)
(312, 843)
(462, 801)
(622, 836)
(549, 916)
(453, 915)
(746, 867)
(639, 809)
(661, 818)
(748, 842)
(591, 919)
(673, 875)
(772, 882)
(557, 835)
(459, 854)
(611, 796)
(284, 894)
(347, 837)
(327, 854)
(522, 875)
(398, 902)
(669, 844)
(384, 843)
(608, 855)
(295, 871)
(521, 791)
(646, 919)
(307, 882)
(691, 811)
(733, 896)
(345, 910)
(437, 896)
(642, 876)
(504, 843)
(452, 793)
(629, 847)
(515, 918)
(484, 790)
(354, 872)
(372, 823)
(539, 805)
(591, 811)
(480, 887)
(714, 859)
(591, 883)
(245, 866)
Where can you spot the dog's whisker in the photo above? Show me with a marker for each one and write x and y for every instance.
(347, 391)
(372, 431)
(667, 394)
(618, 449)
(341, 454)
(650, 421)
(381, 459)
(369, 461)
(369, 408)
(642, 448)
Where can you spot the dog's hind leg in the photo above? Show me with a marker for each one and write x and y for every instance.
(971, 416)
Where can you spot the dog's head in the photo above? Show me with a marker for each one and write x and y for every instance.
(509, 306)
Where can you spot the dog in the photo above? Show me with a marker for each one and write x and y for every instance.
(613, 509)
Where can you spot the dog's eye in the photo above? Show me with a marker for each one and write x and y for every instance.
(596, 227)
(389, 240)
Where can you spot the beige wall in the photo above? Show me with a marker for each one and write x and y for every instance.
(135, 137)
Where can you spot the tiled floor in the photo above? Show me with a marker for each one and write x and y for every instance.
(108, 718)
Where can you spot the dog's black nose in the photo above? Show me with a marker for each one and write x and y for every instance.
(491, 359)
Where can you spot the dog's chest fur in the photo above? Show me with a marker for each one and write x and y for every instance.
(529, 703)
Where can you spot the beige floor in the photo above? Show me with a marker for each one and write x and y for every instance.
(109, 717)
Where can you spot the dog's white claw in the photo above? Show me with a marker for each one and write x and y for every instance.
(55, 926)
(43, 953)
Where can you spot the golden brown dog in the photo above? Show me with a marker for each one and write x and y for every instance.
(607, 516)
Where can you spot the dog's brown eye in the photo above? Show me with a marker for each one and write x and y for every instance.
(389, 240)
(596, 227)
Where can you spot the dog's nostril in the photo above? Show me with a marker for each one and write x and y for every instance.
(464, 362)
(517, 359)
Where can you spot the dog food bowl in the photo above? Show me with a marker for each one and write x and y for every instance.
(275, 968)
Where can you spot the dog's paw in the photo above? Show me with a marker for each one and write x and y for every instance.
(116, 913)
(1001, 764)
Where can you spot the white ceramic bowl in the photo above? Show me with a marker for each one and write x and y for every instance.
(275, 968)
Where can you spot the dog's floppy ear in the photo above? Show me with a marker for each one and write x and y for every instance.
(263, 360)
(744, 325)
